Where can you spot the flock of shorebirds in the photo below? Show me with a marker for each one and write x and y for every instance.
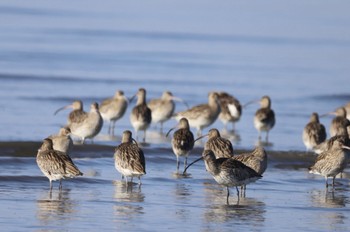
(228, 169)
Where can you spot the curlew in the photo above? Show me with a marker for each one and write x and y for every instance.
(55, 165)
(231, 109)
(163, 108)
(314, 132)
(182, 142)
(339, 121)
(62, 141)
(141, 115)
(112, 109)
(202, 116)
(264, 118)
(85, 125)
(221, 147)
(228, 172)
(129, 159)
(256, 160)
(332, 161)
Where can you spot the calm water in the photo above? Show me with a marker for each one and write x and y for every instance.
(52, 53)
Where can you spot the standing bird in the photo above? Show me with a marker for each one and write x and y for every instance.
(182, 142)
(141, 115)
(163, 108)
(256, 160)
(62, 141)
(221, 147)
(82, 124)
(332, 161)
(314, 132)
(55, 165)
(340, 121)
(264, 118)
(112, 109)
(347, 108)
(129, 159)
(202, 116)
(231, 109)
(229, 172)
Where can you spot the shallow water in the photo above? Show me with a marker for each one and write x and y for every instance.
(53, 53)
(287, 198)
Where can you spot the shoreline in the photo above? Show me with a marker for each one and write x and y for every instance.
(29, 149)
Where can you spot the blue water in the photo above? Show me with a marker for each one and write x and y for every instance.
(53, 52)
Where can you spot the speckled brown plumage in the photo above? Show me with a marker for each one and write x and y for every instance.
(202, 116)
(314, 132)
(112, 109)
(55, 165)
(257, 159)
(141, 115)
(339, 121)
(229, 172)
(221, 147)
(231, 109)
(129, 158)
(332, 161)
(82, 124)
(182, 142)
(163, 108)
(264, 119)
(62, 141)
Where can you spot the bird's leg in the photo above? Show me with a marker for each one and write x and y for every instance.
(237, 191)
(185, 164)
(50, 185)
(140, 181)
(326, 181)
(109, 127)
(144, 136)
(228, 194)
(333, 181)
(177, 164)
(113, 128)
(267, 136)
(60, 184)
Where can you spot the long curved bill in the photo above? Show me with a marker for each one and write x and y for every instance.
(326, 114)
(132, 98)
(169, 131)
(63, 108)
(180, 100)
(200, 137)
(192, 164)
(249, 103)
(346, 147)
(135, 141)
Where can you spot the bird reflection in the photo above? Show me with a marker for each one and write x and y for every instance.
(330, 199)
(182, 195)
(247, 210)
(128, 198)
(263, 143)
(55, 206)
(127, 193)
